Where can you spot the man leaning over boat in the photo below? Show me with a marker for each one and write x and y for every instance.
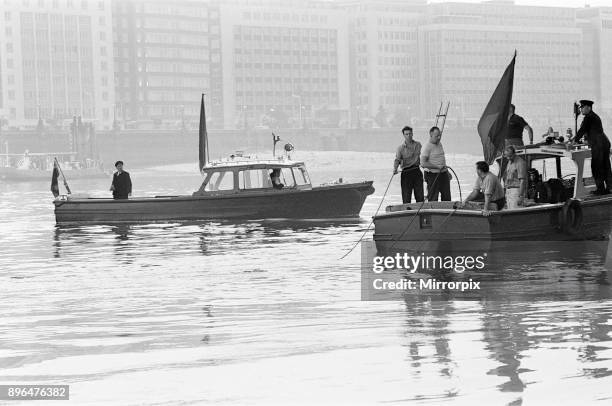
(486, 184)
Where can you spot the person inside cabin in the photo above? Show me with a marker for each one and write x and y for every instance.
(275, 177)
(489, 186)
(515, 178)
(122, 184)
(592, 130)
(516, 125)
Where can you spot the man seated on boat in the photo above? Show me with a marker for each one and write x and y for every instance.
(122, 184)
(515, 178)
(275, 178)
(487, 184)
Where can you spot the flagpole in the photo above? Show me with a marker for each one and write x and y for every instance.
(63, 176)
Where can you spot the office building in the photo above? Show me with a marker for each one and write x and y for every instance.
(167, 53)
(56, 61)
(383, 59)
(284, 59)
(596, 74)
(464, 49)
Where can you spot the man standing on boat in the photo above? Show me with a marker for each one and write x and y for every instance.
(592, 129)
(516, 125)
(515, 178)
(433, 161)
(122, 184)
(408, 157)
(487, 184)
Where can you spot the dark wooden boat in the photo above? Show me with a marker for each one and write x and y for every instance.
(231, 190)
(238, 188)
(573, 213)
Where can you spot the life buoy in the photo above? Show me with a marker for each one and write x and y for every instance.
(571, 216)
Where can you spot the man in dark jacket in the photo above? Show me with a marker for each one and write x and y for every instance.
(122, 184)
(592, 130)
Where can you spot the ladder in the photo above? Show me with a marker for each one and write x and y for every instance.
(442, 116)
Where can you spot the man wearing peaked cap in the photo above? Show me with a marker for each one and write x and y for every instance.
(592, 130)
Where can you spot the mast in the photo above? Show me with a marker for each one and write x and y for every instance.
(203, 135)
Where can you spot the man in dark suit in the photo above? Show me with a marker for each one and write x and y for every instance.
(122, 184)
(592, 130)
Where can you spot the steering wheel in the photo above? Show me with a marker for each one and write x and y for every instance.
(568, 175)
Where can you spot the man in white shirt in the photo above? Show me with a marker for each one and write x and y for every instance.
(433, 162)
(515, 178)
(488, 187)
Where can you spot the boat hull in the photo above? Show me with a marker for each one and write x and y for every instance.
(325, 202)
(468, 229)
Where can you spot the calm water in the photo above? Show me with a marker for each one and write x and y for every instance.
(267, 313)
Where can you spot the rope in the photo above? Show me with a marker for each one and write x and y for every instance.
(372, 221)
(413, 217)
(415, 214)
(421, 206)
(458, 183)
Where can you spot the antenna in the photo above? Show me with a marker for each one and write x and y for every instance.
(275, 139)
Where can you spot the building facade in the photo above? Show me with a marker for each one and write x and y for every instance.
(284, 63)
(56, 61)
(383, 58)
(464, 49)
(596, 84)
(166, 55)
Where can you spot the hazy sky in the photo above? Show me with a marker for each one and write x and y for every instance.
(557, 3)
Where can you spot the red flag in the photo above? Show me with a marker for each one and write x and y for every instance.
(203, 154)
(54, 184)
(494, 120)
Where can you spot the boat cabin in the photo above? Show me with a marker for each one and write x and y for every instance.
(559, 171)
(248, 176)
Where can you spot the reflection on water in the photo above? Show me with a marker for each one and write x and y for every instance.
(265, 312)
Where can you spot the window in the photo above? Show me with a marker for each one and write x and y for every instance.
(254, 179)
(220, 181)
(301, 176)
(286, 177)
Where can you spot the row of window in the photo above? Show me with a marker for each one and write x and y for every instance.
(296, 66)
(285, 17)
(256, 179)
(83, 4)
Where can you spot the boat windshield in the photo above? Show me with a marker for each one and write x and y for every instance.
(223, 180)
(301, 176)
(254, 179)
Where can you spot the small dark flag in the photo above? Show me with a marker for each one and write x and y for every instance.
(54, 184)
(493, 123)
(203, 135)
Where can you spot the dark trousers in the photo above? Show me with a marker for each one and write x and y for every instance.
(412, 180)
(600, 164)
(438, 185)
